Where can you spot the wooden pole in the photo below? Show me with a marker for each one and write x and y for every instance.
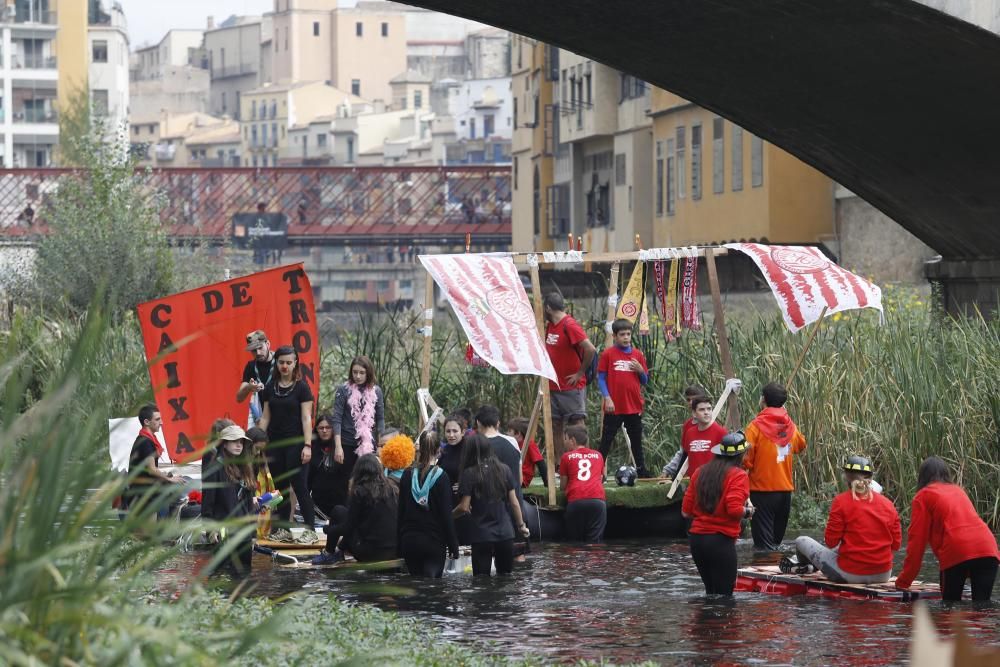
(608, 336)
(733, 419)
(550, 446)
(802, 356)
(425, 367)
(533, 420)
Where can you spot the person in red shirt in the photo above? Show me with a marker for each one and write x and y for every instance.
(621, 374)
(774, 440)
(943, 515)
(571, 353)
(674, 465)
(581, 475)
(717, 500)
(862, 532)
(517, 428)
(697, 441)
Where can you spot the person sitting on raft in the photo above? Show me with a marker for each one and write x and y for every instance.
(718, 499)
(367, 526)
(943, 515)
(862, 533)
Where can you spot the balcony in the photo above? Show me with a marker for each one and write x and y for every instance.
(241, 69)
(28, 15)
(21, 61)
(30, 115)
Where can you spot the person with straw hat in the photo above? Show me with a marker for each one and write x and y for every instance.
(862, 532)
(717, 500)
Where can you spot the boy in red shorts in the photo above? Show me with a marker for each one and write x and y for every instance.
(581, 476)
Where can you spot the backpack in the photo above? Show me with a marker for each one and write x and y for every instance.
(590, 374)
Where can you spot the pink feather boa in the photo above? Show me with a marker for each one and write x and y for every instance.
(362, 405)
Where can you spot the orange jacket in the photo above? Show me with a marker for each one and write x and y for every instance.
(766, 472)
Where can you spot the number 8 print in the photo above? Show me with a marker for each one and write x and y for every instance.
(583, 472)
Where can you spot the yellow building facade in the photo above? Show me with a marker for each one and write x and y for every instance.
(72, 54)
(715, 182)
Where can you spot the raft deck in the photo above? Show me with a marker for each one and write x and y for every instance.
(770, 579)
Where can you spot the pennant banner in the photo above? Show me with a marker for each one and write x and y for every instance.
(493, 308)
(633, 304)
(804, 281)
(690, 313)
(195, 345)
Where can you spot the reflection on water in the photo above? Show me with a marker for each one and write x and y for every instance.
(628, 602)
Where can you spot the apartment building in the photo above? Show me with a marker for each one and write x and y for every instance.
(43, 68)
(171, 75)
(239, 56)
(315, 40)
(714, 182)
(108, 43)
(268, 113)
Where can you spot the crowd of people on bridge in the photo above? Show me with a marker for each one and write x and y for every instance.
(381, 495)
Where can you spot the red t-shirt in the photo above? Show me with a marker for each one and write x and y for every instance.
(623, 382)
(584, 468)
(531, 457)
(944, 516)
(561, 342)
(867, 532)
(698, 444)
(728, 512)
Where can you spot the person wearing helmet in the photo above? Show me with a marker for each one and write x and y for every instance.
(965, 547)
(717, 499)
(862, 532)
(581, 477)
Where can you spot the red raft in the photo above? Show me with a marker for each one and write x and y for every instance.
(770, 579)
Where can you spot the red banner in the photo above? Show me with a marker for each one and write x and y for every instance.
(196, 348)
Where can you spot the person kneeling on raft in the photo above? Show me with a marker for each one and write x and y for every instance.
(862, 532)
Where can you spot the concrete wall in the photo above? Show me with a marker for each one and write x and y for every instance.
(352, 55)
(180, 89)
(872, 244)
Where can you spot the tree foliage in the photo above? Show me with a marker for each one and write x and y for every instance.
(105, 238)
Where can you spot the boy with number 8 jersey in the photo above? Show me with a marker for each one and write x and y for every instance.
(581, 476)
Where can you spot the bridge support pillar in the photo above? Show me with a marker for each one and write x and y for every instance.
(967, 284)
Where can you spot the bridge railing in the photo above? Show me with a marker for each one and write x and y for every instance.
(318, 201)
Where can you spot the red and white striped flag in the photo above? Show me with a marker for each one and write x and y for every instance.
(804, 281)
(493, 308)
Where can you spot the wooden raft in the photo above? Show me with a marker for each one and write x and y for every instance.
(770, 579)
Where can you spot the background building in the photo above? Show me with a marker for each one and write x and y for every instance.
(107, 35)
(238, 60)
(171, 75)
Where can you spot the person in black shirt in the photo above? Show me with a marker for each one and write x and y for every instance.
(487, 488)
(258, 372)
(287, 419)
(504, 446)
(450, 453)
(229, 491)
(425, 524)
(144, 467)
(327, 479)
(366, 528)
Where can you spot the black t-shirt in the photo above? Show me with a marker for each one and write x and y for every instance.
(286, 410)
(491, 520)
(450, 460)
(142, 449)
(508, 453)
(258, 370)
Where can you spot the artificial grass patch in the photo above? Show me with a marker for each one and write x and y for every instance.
(644, 494)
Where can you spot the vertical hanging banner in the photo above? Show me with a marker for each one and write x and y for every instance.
(493, 309)
(804, 281)
(195, 346)
(690, 313)
(633, 304)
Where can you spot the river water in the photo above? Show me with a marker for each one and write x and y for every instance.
(632, 601)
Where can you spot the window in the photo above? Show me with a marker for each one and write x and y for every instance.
(659, 179)
(99, 51)
(315, 28)
(472, 128)
(286, 38)
(274, 109)
(263, 134)
(631, 88)
(356, 86)
(681, 162)
(515, 173)
(274, 134)
(737, 156)
(586, 79)
(488, 125)
(515, 113)
(222, 59)
(696, 162)
(359, 29)
(321, 140)
(620, 169)
(671, 182)
(223, 101)
(253, 109)
(350, 149)
(385, 29)
(756, 161)
(418, 99)
(718, 156)
(253, 140)
(100, 102)
(564, 96)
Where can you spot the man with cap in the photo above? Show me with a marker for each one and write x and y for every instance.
(257, 373)
(717, 499)
(862, 533)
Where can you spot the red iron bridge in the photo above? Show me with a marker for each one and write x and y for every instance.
(313, 205)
